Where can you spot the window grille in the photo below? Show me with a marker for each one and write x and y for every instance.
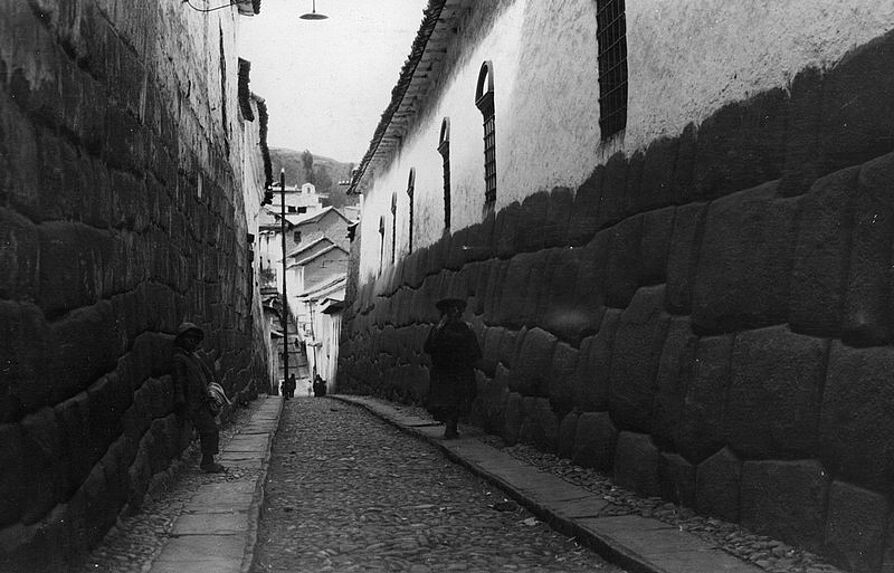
(381, 242)
(411, 190)
(393, 226)
(611, 35)
(484, 100)
(444, 150)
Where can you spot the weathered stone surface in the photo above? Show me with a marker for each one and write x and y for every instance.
(614, 199)
(590, 283)
(507, 227)
(821, 255)
(674, 371)
(802, 155)
(491, 346)
(866, 308)
(747, 246)
(40, 438)
(624, 263)
(656, 188)
(73, 416)
(856, 110)
(24, 355)
(774, 397)
(558, 216)
(70, 266)
(594, 441)
(856, 426)
(520, 288)
(561, 377)
(567, 432)
(584, 221)
(785, 500)
(701, 424)
(13, 477)
(513, 417)
(682, 256)
(677, 478)
(636, 464)
(855, 527)
(559, 310)
(717, 482)
(592, 376)
(531, 372)
(19, 257)
(636, 352)
(658, 226)
(533, 221)
(741, 145)
(540, 425)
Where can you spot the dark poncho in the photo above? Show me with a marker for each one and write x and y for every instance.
(454, 351)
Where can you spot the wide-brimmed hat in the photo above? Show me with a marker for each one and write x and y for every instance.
(447, 303)
(188, 327)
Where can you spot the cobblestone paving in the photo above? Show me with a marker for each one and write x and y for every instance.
(136, 539)
(347, 492)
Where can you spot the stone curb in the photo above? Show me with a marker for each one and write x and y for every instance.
(210, 535)
(638, 544)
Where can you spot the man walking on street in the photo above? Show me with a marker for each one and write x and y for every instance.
(454, 352)
(192, 398)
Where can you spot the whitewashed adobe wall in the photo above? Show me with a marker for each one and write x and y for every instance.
(686, 59)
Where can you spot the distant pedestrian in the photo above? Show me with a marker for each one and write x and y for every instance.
(288, 387)
(319, 386)
(454, 352)
(196, 394)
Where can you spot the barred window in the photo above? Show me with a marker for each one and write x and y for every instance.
(611, 34)
(381, 242)
(484, 100)
(444, 150)
(411, 189)
(393, 226)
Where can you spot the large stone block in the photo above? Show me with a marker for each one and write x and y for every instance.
(558, 216)
(655, 244)
(567, 431)
(87, 344)
(531, 372)
(857, 110)
(677, 477)
(589, 294)
(701, 423)
(624, 262)
(656, 188)
(636, 352)
(40, 438)
(71, 265)
(540, 425)
(73, 416)
(821, 255)
(855, 527)
(636, 464)
(594, 441)
(561, 377)
(533, 220)
(775, 391)
(745, 258)
(520, 284)
(674, 371)
(507, 227)
(513, 417)
(24, 355)
(682, 256)
(802, 156)
(717, 482)
(856, 426)
(13, 479)
(592, 377)
(787, 500)
(614, 199)
(867, 319)
(19, 256)
(584, 221)
(741, 145)
(559, 310)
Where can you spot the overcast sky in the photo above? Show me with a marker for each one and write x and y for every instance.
(327, 82)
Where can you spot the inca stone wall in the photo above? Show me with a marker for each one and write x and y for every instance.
(121, 215)
(708, 320)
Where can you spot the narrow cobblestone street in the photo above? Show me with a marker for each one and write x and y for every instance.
(348, 492)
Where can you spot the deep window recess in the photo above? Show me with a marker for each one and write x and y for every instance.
(411, 189)
(611, 34)
(393, 226)
(381, 243)
(484, 100)
(444, 150)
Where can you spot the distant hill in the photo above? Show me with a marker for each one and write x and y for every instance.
(327, 173)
